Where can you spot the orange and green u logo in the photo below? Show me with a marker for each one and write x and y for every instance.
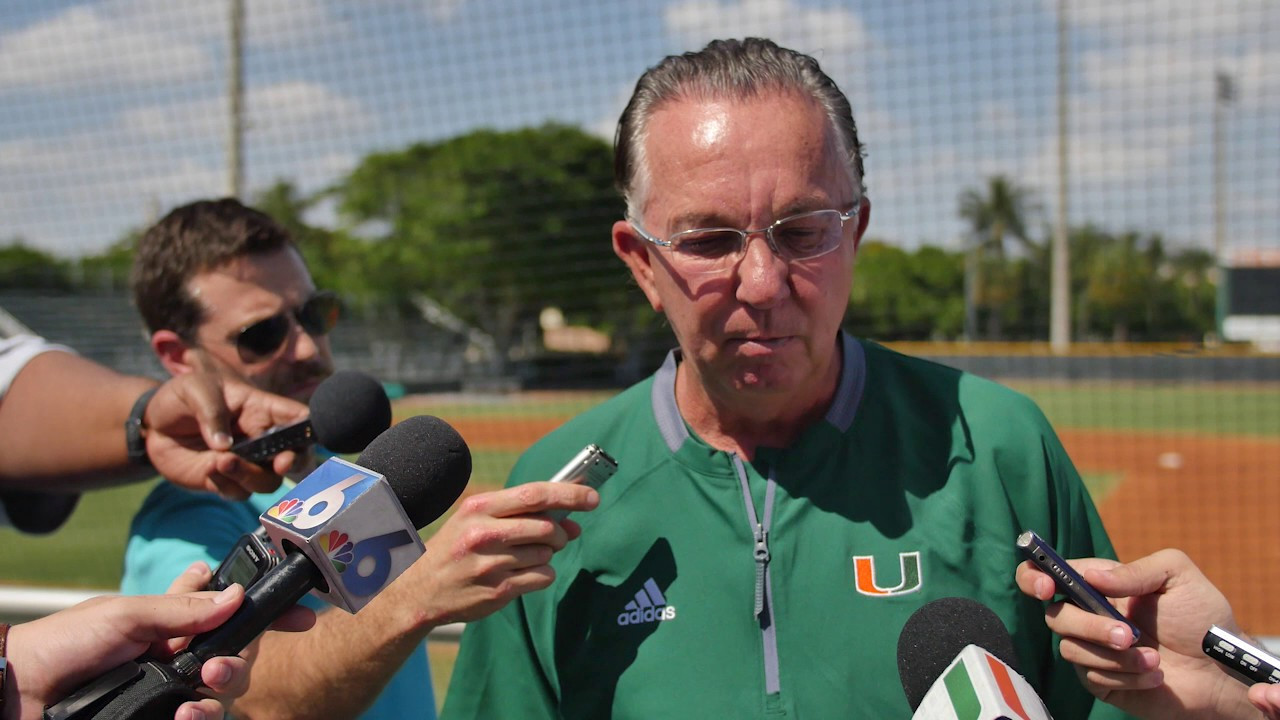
(864, 575)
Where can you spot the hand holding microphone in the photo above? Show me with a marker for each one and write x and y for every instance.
(343, 533)
(348, 410)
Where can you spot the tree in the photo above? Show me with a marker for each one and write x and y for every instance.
(906, 295)
(495, 226)
(26, 268)
(337, 260)
(108, 270)
(1001, 213)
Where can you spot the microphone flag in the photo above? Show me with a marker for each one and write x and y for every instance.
(347, 519)
(979, 686)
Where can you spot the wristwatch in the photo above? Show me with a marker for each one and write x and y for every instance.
(4, 662)
(133, 427)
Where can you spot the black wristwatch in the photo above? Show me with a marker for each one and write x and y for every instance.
(133, 427)
(4, 662)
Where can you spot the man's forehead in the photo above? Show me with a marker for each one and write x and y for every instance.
(250, 280)
(712, 142)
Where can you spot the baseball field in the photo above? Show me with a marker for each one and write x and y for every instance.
(1192, 466)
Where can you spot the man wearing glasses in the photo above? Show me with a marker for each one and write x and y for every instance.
(787, 495)
(222, 286)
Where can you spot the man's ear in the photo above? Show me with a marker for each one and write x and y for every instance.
(173, 352)
(864, 219)
(634, 251)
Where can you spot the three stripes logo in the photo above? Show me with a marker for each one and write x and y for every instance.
(649, 606)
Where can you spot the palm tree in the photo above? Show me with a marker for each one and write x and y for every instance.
(999, 214)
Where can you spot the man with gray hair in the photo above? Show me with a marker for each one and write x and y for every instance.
(787, 495)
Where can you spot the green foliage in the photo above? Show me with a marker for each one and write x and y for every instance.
(110, 269)
(902, 295)
(494, 225)
(337, 260)
(1002, 212)
(25, 268)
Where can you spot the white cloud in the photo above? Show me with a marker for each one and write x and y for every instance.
(282, 111)
(84, 46)
(819, 32)
(443, 10)
(145, 42)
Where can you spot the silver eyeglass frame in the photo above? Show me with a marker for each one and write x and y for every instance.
(745, 235)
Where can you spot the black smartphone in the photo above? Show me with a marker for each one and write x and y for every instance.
(251, 557)
(591, 467)
(1247, 662)
(1070, 583)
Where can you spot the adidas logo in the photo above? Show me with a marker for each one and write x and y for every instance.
(649, 606)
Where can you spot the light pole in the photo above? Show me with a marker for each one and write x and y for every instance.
(235, 96)
(1224, 94)
(1060, 276)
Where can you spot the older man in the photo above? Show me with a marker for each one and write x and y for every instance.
(222, 285)
(787, 494)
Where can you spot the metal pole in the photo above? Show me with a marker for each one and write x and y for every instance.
(235, 93)
(1060, 277)
(1222, 95)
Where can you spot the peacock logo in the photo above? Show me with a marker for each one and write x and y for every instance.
(286, 511)
(338, 547)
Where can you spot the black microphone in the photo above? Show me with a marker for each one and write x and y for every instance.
(338, 516)
(348, 410)
(956, 659)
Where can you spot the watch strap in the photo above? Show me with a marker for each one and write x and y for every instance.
(133, 427)
(4, 662)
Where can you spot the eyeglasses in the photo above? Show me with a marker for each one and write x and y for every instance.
(317, 316)
(797, 237)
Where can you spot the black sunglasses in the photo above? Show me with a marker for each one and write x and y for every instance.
(317, 316)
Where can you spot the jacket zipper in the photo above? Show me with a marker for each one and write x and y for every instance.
(759, 528)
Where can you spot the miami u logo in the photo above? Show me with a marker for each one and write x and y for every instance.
(864, 575)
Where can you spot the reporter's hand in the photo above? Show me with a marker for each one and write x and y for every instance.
(495, 547)
(1266, 697)
(190, 422)
(53, 656)
(1166, 675)
(227, 677)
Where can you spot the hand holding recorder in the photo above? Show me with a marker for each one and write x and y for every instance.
(1167, 674)
(498, 545)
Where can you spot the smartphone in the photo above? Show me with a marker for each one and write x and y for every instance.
(251, 557)
(1247, 662)
(1070, 583)
(591, 467)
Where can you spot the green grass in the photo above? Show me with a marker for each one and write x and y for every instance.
(521, 407)
(1207, 409)
(87, 552)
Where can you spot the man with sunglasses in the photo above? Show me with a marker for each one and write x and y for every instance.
(787, 495)
(222, 285)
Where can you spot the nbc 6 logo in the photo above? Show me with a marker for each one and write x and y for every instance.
(318, 508)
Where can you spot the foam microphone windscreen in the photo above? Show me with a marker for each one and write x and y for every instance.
(349, 410)
(936, 633)
(426, 462)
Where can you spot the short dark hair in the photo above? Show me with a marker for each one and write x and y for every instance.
(728, 69)
(192, 239)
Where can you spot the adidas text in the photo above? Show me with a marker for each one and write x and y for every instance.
(647, 615)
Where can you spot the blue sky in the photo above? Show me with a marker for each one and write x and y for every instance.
(114, 110)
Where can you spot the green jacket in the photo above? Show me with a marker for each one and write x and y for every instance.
(688, 597)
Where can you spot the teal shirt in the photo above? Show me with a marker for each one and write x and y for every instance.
(176, 527)
(913, 488)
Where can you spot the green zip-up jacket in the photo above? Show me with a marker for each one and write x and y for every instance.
(704, 586)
